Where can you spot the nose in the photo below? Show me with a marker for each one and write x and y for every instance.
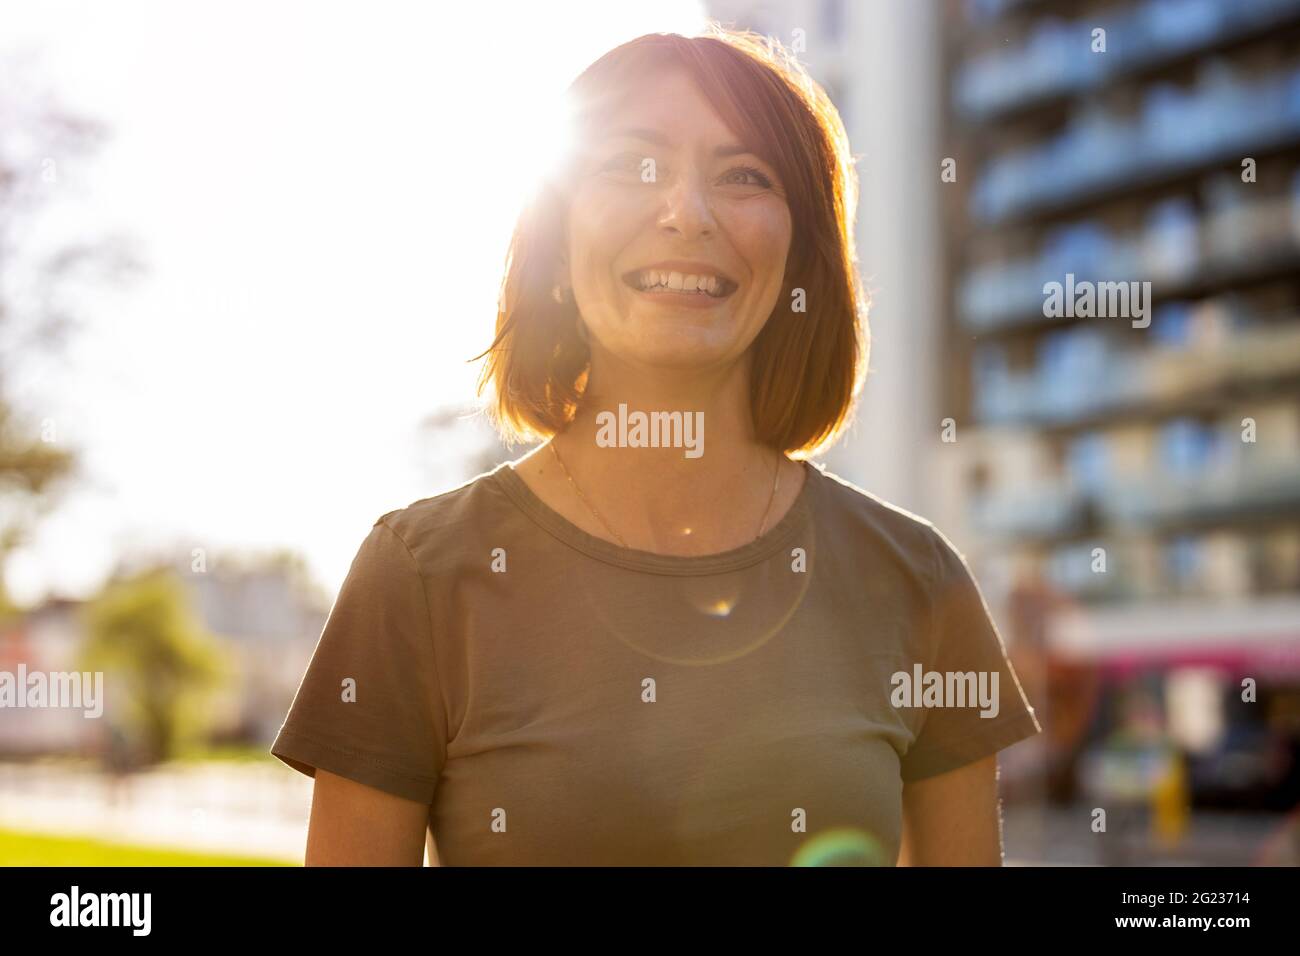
(686, 211)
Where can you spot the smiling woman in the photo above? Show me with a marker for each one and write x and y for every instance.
(724, 142)
(611, 652)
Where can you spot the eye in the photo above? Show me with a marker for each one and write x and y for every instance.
(623, 164)
(745, 176)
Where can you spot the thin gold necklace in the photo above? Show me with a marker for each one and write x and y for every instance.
(776, 483)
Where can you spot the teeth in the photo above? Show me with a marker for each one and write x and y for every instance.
(653, 279)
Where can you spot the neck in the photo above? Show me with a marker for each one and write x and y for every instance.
(671, 498)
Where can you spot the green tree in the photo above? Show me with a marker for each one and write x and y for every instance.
(160, 663)
(41, 277)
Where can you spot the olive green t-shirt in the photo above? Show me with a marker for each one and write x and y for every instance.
(556, 699)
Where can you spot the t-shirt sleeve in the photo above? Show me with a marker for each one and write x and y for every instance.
(968, 653)
(370, 706)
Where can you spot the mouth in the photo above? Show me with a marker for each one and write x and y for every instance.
(677, 285)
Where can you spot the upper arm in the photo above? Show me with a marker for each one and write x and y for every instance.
(353, 824)
(950, 796)
(368, 721)
(952, 819)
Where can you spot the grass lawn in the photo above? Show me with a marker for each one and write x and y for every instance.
(34, 849)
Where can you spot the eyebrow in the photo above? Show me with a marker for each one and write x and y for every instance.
(659, 139)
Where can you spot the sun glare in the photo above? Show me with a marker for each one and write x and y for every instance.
(304, 225)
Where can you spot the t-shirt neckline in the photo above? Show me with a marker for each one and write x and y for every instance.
(743, 556)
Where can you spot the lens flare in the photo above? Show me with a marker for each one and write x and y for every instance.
(844, 846)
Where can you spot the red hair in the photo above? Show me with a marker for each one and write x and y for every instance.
(807, 367)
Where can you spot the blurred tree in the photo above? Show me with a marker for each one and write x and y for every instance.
(40, 144)
(142, 633)
(458, 443)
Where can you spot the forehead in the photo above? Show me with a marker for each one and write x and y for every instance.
(666, 101)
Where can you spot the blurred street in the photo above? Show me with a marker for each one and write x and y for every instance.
(222, 806)
(1060, 836)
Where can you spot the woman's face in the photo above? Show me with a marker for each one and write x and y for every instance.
(678, 235)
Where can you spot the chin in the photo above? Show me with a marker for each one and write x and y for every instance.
(684, 352)
(679, 361)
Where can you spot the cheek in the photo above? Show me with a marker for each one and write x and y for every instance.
(601, 224)
(761, 233)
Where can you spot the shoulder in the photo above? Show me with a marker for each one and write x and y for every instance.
(438, 528)
(864, 519)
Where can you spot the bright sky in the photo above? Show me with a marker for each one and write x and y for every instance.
(322, 194)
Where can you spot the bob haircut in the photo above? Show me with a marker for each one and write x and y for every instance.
(807, 367)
